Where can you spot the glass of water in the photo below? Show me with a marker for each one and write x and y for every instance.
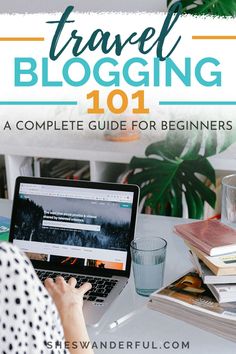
(148, 258)
(228, 205)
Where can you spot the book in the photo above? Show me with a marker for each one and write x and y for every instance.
(60, 168)
(223, 287)
(210, 236)
(80, 172)
(4, 228)
(26, 168)
(208, 276)
(223, 292)
(189, 299)
(219, 265)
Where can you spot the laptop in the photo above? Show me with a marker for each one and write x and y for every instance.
(80, 229)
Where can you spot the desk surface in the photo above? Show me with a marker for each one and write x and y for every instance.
(148, 325)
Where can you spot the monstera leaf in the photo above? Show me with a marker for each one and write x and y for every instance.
(175, 167)
(211, 7)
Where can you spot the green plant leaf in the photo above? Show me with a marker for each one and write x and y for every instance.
(137, 162)
(162, 187)
(194, 202)
(192, 208)
(193, 148)
(202, 167)
(211, 144)
(212, 7)
(147, 174)
(149, 188)
(166, 174)
(176, 142)
(199, 205)
(160, 149)
(208, 195)
(230, 138)
(163, 203)
(176, 201)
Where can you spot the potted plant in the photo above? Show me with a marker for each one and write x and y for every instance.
(176, 170)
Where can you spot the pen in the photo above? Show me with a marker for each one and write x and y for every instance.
(124, 318)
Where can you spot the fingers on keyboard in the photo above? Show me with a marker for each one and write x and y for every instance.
(100, 287)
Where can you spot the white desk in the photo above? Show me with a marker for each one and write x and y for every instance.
(147, 324)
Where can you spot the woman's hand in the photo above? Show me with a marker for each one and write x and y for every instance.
(65, 296)
(69, 302)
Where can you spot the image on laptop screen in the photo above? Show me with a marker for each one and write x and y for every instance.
(73, 226)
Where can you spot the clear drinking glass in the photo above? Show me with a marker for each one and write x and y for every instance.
(148, 259)
(228, 205)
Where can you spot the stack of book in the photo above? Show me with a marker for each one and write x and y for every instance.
(59, 168)
(206, 295)
(213, 253)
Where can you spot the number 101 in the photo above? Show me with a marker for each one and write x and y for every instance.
(117, 109)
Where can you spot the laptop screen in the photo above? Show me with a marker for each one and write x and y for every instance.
(73, 226)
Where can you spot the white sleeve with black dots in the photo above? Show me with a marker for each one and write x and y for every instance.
(29, 321)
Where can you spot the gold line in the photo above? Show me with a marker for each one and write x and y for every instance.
(214, 37)
(21, 39)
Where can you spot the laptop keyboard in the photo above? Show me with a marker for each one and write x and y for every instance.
(101, 287)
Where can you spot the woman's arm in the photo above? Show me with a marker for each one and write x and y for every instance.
(69, 302)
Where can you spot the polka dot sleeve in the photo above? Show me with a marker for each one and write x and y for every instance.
(29, 321)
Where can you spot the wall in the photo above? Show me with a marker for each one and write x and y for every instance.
(34, 6)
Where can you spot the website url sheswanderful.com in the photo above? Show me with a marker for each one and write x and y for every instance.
(122, 345)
